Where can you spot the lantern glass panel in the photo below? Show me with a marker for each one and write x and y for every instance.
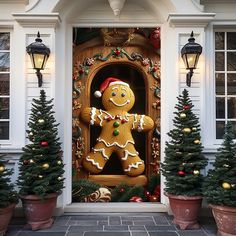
(38, 61)
(192, 60)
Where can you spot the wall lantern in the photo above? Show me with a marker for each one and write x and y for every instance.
(39, 54)
(190, 54)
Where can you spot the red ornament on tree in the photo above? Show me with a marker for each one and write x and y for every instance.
(117, 52)
(44, 143)
(181, 173)
(186, 107)
(157, 190)
(81, 71)
(146, 193)
(122, 190)
(25, 162)
(136, 199)
(153, 198)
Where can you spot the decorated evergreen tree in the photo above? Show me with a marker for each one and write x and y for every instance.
(41, 166)
(183, 153)
(7, 193)
(220, 183)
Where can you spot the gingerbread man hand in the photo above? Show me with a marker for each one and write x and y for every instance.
(116, 125)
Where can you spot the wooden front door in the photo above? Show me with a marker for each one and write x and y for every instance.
(136, 63)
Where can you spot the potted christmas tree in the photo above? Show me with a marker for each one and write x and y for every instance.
(41, 168)
(182, 165)
(220, 185)
(8, 196)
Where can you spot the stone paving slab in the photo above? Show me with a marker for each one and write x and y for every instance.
(113, 224)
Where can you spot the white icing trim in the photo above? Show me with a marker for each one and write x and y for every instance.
(135, 166)
(118, 82)
(135, 120)
(102, 150)
(114, 143)
(127, 153)
(94, 163)
(141, 123)
(92, 115)
(119, 105)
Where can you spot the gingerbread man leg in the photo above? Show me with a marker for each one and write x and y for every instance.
(132, 164)
(95, 161)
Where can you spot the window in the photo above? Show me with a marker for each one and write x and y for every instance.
(225, 80)
(4, 85)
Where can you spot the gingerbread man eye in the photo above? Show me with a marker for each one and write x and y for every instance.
(123, 95)
(113, 94)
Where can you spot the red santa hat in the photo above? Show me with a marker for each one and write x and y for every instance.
(107, 83)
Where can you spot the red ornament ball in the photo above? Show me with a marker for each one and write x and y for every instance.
(186, 107)
(157, 190)
(117, 52)
(44, 143)
(122, 190)
(147, 193)
(25, 162)
(136, 199)
(81, 71)
(153, 198)
(181, 173)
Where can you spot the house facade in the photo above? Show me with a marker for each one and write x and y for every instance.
(213, 89)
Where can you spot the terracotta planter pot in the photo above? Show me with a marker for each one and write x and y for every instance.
(38, 211)
(5, 217)
(185, 210)
(225, 218)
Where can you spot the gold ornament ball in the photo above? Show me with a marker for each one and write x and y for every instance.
(41, 121)
(226, 185)
(232, 185)
(197, 141)
(194, 129)
(59, 178)
(226, 165)
(196, 172)
(59, 162)
(2, 168)
(40, 176)
(187, 130)
(31, 134)
(31, 161)
(45, 166)
(183, 115)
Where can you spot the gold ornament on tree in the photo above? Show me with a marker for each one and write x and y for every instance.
(40, 176)
(196, 172)
(187, 130)
(45, 166)
(41, 121)
(2, 168)
(226, 185)
(194, 129)
(182, 115)
(197, 141)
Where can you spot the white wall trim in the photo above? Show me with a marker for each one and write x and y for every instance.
(193, 20)
(37, 19)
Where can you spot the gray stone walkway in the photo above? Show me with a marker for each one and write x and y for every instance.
(126, 224)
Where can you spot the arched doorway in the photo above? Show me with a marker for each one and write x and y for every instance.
(137, 64)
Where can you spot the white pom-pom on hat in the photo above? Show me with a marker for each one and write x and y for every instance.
(106, 83)
(97, 94)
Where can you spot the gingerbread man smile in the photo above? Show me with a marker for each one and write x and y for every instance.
(119, 105)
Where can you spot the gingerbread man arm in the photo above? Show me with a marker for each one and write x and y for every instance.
(142, 123)
(90, 115)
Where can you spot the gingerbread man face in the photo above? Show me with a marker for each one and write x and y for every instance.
(118, 96)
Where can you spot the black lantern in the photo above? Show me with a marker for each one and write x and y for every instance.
(190, 54)
(39, 54)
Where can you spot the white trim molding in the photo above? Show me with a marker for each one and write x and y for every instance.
(39, 19)
(193, 20)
